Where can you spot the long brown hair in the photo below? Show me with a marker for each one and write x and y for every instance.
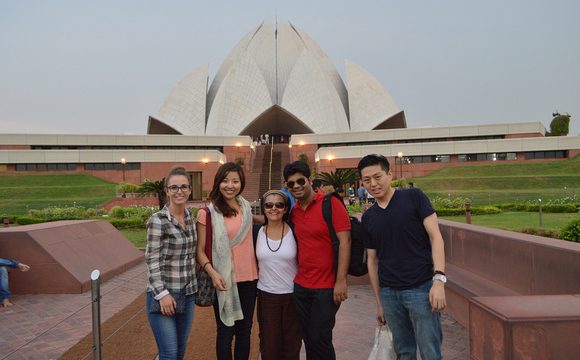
(216, 196)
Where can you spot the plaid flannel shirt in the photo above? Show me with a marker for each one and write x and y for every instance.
(170, 253)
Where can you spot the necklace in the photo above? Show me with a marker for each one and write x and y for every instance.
(281, 238)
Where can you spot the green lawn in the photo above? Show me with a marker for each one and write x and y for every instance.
(137, 236)
(19, 193)
(505, 182)
(518, 220)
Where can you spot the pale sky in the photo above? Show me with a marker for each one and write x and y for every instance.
(102, 67)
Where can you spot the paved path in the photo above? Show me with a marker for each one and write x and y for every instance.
(45, 326)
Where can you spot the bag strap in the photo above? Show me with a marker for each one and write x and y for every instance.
(208, 233)
(327, 215)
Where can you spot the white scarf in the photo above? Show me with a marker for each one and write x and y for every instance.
(229, 305)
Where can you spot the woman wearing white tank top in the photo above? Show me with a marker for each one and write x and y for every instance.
(276, 252)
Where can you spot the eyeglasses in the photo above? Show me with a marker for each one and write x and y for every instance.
(175, 188)
(301, 182)
(278, 205)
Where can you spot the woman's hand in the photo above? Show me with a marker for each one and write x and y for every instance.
(167, 305)
(218, 281)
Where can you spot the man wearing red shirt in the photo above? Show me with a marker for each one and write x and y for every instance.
(318, 289)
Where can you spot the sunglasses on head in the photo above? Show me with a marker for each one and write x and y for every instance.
(278, 205)
(301, 182)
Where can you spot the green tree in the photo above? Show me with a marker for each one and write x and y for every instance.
(155, 188)
(339, 178)
(560, 125)
(303, 157)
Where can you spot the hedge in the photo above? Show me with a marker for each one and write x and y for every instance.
(27, 220)
(548, 208)
(127, 223)
(571, 231)
(476, 210)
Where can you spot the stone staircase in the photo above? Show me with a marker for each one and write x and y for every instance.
(257, 180)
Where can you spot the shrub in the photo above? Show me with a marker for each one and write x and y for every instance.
(551, 233)
(485, 210)
(449, 203)
(450, 212)
(571, 231)
(399, 183)
(27, 220)
(354, 209)
(54, 213)
(118, 212)
(124, 188)
(127, 223)
(552, 208)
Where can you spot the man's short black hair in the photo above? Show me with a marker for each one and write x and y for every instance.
(316, 184)
(373, 159)
(296, 167)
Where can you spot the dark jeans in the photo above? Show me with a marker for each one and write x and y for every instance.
(279, 327)
(242, 329)
(316, 311)
(171, 332)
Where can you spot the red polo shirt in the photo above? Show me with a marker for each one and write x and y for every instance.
(315, 253)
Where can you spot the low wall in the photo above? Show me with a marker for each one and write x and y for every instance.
(517, 293)
(63, 254)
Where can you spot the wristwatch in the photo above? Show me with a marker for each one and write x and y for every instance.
(440, 277)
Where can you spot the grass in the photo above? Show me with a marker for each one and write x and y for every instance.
(518, 220)
(505, 182)
(137, 236)
(19, 193)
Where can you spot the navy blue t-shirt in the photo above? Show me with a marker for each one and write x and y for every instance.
(400, 239)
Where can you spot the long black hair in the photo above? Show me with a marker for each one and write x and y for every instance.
(216, 196)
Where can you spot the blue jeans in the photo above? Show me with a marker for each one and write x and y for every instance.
(4, 265)
(171, 332)
(408, 314)
(4, 293)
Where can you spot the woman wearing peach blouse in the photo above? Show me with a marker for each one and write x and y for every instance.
(233, 268)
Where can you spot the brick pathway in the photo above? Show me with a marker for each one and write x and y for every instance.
(355, 329)
(45, 326)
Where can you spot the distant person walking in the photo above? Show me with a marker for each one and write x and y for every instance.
(170, 260)
(4, 284)
(233, 268)
(362, 194)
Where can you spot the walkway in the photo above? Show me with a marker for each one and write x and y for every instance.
(44, 326)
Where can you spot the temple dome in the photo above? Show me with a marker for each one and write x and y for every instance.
(276, 81)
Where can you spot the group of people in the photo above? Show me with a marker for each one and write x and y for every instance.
(285, 261)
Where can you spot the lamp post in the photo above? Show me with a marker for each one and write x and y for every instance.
(540, 210)
(123, 163)
(400, 155)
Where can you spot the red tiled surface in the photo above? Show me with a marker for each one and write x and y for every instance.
(45, 326)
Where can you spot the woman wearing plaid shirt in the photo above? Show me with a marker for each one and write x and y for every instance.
(170, 263)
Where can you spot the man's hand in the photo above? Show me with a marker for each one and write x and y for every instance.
(381, 316)
(23, 267)
(340, 291)
(437, 296)
(167, 304)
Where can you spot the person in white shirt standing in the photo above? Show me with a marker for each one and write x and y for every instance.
(276, 252)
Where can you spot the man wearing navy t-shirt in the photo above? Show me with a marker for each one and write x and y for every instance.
(319, 287)
(406, 261)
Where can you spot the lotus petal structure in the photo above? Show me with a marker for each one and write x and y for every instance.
(276, 80)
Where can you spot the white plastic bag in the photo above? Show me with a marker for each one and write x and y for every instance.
(383, 348)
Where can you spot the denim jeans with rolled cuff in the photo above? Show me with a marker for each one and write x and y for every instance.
(171, 332)
(409, 316)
